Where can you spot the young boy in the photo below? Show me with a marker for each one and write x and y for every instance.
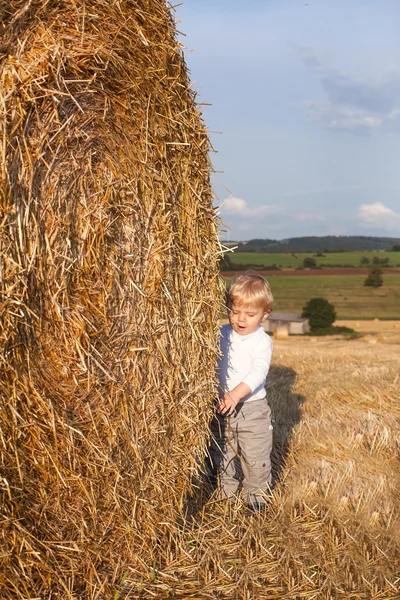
(241, 439)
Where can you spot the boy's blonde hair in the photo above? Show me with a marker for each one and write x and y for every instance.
(249, 289)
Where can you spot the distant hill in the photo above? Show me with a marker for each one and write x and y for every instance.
(329, 243)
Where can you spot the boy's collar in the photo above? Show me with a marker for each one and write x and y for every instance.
(244, 337)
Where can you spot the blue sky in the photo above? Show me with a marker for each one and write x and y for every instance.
(306, 97)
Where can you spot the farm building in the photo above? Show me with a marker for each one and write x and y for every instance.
(295, 323)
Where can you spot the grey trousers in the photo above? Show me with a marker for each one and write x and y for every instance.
(240, 450)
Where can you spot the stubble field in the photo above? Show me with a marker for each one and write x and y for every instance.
(332, 528)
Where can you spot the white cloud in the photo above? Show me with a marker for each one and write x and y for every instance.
(378, 215)
(353, 104)
(342, 117)
(238, 207)
(237, 215)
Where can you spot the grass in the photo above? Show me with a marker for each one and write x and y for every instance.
(351, 299)
(343, 259)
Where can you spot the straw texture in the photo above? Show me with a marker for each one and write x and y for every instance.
(109, 291)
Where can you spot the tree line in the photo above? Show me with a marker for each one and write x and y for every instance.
(326, 244)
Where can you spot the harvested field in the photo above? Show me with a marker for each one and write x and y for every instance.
(376, 331)
(332, 530)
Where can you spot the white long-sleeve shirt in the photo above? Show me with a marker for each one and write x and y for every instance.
(245, 358)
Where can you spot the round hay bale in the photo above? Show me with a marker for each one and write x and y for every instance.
(371, 339)
(109, 291)
(281, 333)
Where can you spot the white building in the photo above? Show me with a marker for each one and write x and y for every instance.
(295, 323)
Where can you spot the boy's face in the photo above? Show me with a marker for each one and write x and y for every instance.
(246, 319)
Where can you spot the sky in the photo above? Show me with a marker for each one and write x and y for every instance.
(302, 101)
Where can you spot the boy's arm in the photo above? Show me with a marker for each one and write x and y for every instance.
(256, 376)
(262, 355)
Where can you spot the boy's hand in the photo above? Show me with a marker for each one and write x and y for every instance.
(227, 404)
(229, 401)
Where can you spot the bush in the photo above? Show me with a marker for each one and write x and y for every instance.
(309, 262)
(380, 261)
(320, 313)
(364, 260)
(374, 278)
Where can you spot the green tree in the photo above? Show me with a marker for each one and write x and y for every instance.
(374, 278)
(309, 262)
(320, 313)
(396, 248)
(365, 260)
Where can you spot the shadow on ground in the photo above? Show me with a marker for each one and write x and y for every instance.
(286, 413)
